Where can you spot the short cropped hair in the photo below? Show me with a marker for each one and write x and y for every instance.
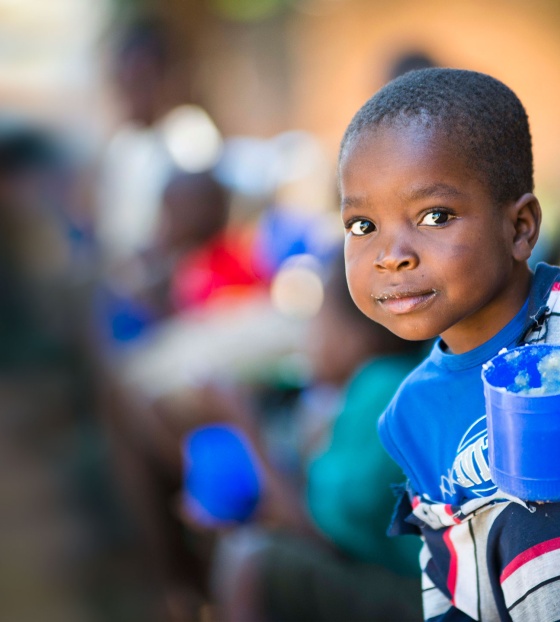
(478, 113)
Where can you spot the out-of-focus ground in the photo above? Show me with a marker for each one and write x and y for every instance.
(58, 562)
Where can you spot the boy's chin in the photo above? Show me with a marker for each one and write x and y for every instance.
(410, 331)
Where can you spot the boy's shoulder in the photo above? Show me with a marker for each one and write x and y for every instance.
(545, 280)
(544, 306)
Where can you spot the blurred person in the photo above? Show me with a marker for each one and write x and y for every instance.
(150, 287)
(322, 553)
(35, 267)
(159, 151)
(214, 257)
(136, 163)
(155, 136)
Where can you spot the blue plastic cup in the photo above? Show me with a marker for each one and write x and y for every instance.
(221, 482)
(522, 394)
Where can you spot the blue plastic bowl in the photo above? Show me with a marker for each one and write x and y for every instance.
(221, 480)
(523, 428)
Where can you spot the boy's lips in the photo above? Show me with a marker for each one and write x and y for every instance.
(399, 303)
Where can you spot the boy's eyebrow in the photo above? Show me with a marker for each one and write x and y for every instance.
(348, 202)
(438, 189)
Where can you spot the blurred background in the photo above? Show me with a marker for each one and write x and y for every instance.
(168, 225)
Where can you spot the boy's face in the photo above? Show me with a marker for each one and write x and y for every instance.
(428, 252)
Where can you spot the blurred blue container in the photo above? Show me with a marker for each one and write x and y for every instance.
(523, 429)
(119, 319)
(221, 478)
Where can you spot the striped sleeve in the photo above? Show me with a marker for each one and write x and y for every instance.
(437, 606)
(457, 584)
(527, 545)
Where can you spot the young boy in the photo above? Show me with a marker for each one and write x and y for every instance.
(436, 181)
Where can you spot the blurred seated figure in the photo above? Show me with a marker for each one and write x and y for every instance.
(152, 285)
(321, 553)
(213, 257)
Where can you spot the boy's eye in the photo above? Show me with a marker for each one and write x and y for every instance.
(435, 218)
(361, 227)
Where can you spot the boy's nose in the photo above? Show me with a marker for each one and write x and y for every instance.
(396, 256)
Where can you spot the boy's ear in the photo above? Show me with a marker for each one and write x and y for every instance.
(526, 218)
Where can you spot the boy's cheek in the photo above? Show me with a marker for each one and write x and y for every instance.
(359, 276)
(360, 292)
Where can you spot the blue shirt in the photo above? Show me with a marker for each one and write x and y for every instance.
(435, 427)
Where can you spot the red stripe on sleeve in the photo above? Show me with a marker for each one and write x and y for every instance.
(452, 574)
(528, 555)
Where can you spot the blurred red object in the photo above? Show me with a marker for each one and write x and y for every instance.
(223, 268)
